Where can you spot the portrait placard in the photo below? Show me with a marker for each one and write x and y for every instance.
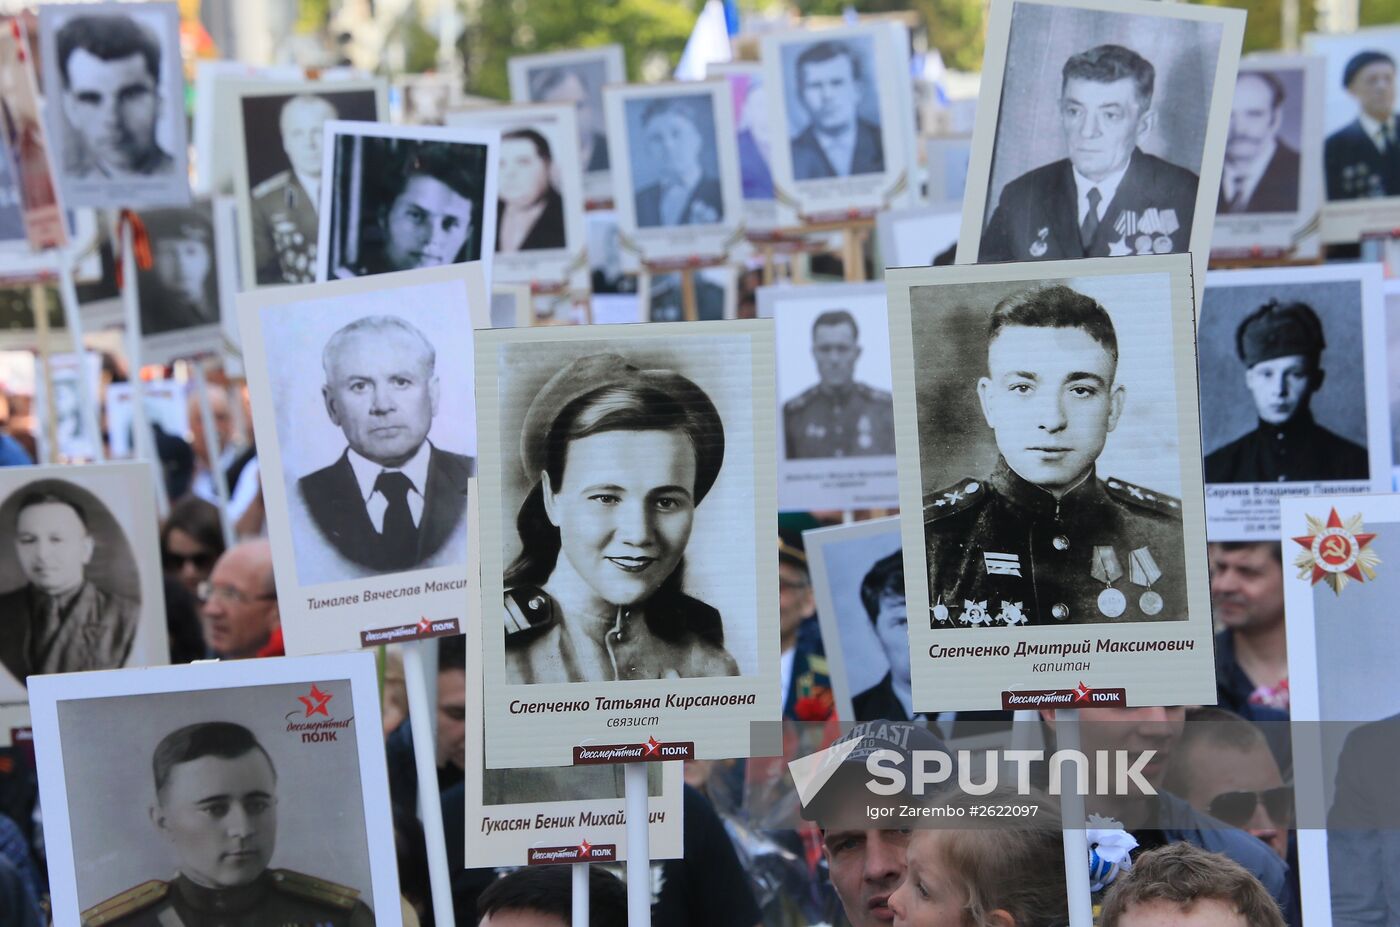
(1271, 185)
(835, 409)
(405, 197)
(576, 77)
(918, 237)
(1340, 585)
(115, 87)
(675, 171)
(762, 210)
(78, 439)
(362, 402)
(843, 115)
(1048, 429)
(259, 737)
(25, 141)
(181, 313)
(858, 580)
(424, 99)
(1124, 104)
(540, 234)
(533, 816)
(658, 521)
(1292, 359)
(1362, 168)
(166, 408)
(278, 133)
(214, 84)
(80, 572)
(716, 297)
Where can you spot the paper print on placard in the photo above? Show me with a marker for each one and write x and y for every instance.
(1048, 430)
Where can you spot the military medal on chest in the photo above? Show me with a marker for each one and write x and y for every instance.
(1107, 570)
(1143, 571)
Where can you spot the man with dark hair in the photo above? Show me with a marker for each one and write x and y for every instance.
(110, 65)
(1109, 197)
(1261, 170)
(284, 207)
(59, 621)
(838, 417)
(837, 142)
(1043, 539)
(541, 896)
(215, 804)
(1280, 346)
(1251, 650)
(683, 194)
(1362, 158)
(882, 595)
(1185, 886)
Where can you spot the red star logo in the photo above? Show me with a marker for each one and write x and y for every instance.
(315, 702)
(1081, 692)
(651, 746)
(1335, 551)
(583, 849)
(424, 626)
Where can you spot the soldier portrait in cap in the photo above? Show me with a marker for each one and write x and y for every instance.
(179, 294)
(228, 816)
(278, 176)
(1362, 158)
(401, 198)
(1106, 120)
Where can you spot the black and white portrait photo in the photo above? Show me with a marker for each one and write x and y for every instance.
(1361, 155)
(79, 575)
(1261, 159)
(76, 435)
(1108, 115)
(576, 78)
(228, 810)
(630, 467)
(401, 198)
(1284, 356)
(116, 115)
(835, 129)
(179, 294)
(278, 174)
(362, 400)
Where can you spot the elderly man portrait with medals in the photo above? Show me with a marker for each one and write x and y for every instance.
(1044, 539)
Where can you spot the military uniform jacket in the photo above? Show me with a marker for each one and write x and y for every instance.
(1298, 450)
(93, 630)
(284, 231)
(277, 898)
(1037, 217)
(852, 421)
(542, 645)
(1003, 551)
(1356, 168)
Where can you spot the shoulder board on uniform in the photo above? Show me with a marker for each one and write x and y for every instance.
(801, 400)
(869, 392)
(960, 497)
(270, 184)
(528, 608)
(128, 902)
(1142, 498)
(314, 889)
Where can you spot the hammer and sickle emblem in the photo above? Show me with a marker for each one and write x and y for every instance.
(1335, 547)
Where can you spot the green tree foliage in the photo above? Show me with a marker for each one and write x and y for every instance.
(1263, 30)
(957, 28)
(652, 33)
(1380, 12)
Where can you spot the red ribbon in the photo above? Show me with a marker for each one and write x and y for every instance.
(140, 242)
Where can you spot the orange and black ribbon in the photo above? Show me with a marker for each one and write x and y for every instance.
(140, 242)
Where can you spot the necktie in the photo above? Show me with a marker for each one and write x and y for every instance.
(1090, 226)
(400, 534)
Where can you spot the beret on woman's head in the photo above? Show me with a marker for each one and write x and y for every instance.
(679, 405)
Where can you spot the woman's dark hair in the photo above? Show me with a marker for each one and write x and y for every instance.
(534, 138)
(617, 407)
(200, 520)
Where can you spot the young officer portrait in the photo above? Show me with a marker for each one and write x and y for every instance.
(392, 499)
(215, 807)
(840, 104)
(1261, 168)
(1044, 538)
(1280, 346)
(1362, 158)
(69, 614)
(839, 416)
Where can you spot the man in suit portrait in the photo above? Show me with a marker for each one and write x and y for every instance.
(392, 500)
(683, 193)
(1109, 197)
(1363, 157)
(836, 142)
(59, 621)
(1261, 170)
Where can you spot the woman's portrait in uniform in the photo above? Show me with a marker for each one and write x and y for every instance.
(530, 209)
(403, 203)
(620, 457)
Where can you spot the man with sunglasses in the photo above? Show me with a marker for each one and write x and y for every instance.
(239, 613)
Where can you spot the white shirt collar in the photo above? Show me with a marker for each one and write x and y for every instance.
(1242, 184)
(367, 471)
(1373, 127)
(1107, 188)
